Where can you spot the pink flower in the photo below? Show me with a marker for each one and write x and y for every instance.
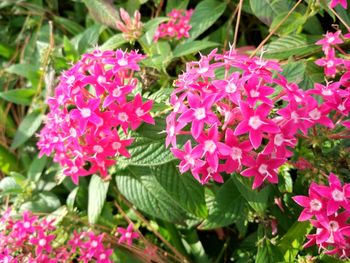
(343, 3)
(255, 122)
(127, 235)
(263, 168)
(42, 242)
(190, 158)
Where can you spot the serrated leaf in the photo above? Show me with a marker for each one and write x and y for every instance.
(267, 10)
(227, 207)
(192, 47)
(141, 188)
(181, 187)
(293, 45)
(292, 24)
(147, 152)
(292, 241)
(205, 15)
(257, 200)
(18, 96)
(97, 197)
(27, 128)
(103, 12)
(114, 42)
(294, 71)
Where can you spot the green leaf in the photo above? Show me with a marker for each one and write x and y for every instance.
(183, 188)
(87, 39)
(176, 4)
(8, 161)
(44, 202)
(205, 15)
(293, 45)
(103, 12)
(257, 200)
(192, 47)
(293, 23)
(70, 25)
(6, 51)
(292, 241)
(18, 96)
(71, 54)
(113, 42)
(97, 197)
(227, 207)
(294, 71)
(142, 188)
(27, 128)
(71, 198)
(267, 10)
(25, 70)
(36, 168)
(8, 185)
(268, 253)
(147, 152)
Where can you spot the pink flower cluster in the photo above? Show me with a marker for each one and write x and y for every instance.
(92, 101)
(30, 239)
(131, 27)
(328, 210)
(245, 121)
(178, 25)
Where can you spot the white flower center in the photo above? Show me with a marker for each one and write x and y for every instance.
(294, 116)
(189, 159)
(94, 243)
(177, 106)
(116, 92)
(139, 112)
(315, 205)
(330, 63)
(98, 148)
(26, 224)
(338, 195)
(262, 169)
(74, 169)
(254, 93)
(70, 80)
(101, 79)
(85, 112)
(202, 70)
(122, 62)
(172, 131)
(315, 114)
(199, 113)
(231, 87)
(327, 92)
(341, 107)
(333, 225)
(122, 116)
(116, 145)
(103, 256)
(128, 235)
(330, 40)
(42, 242)
(255, 122)
(73, 132)
(209, 146)
(279, 139)
(236, 153)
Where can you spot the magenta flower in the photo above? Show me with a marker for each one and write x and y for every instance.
(42, 242)
(255, 123)
(190, 158)
(263, 168)
(141, 112)
(343, 3)
(127, 235)
(314, 204)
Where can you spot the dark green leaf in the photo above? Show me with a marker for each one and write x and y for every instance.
(70, 25)
(294, 71)
(192, 47)
(114, 42)
(44, 202)
(176, 4)
(267, 10)
(103, 12)
(228, 206)
(71, 198)
(97, 197)
(8, 185)
(8, 161)
(268, 253)
(25, 70)
(205, 15)
(36, 168)
(293, 45)
(292, 24)
(27, 128)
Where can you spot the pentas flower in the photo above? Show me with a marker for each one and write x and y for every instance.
(328, 210)
(177, 27)
(91, 102)
(127, 234)
(28, 238)
(343, 3)
(247, 119)
(131, 27)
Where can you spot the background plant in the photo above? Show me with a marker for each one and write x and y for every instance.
(176, 217)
